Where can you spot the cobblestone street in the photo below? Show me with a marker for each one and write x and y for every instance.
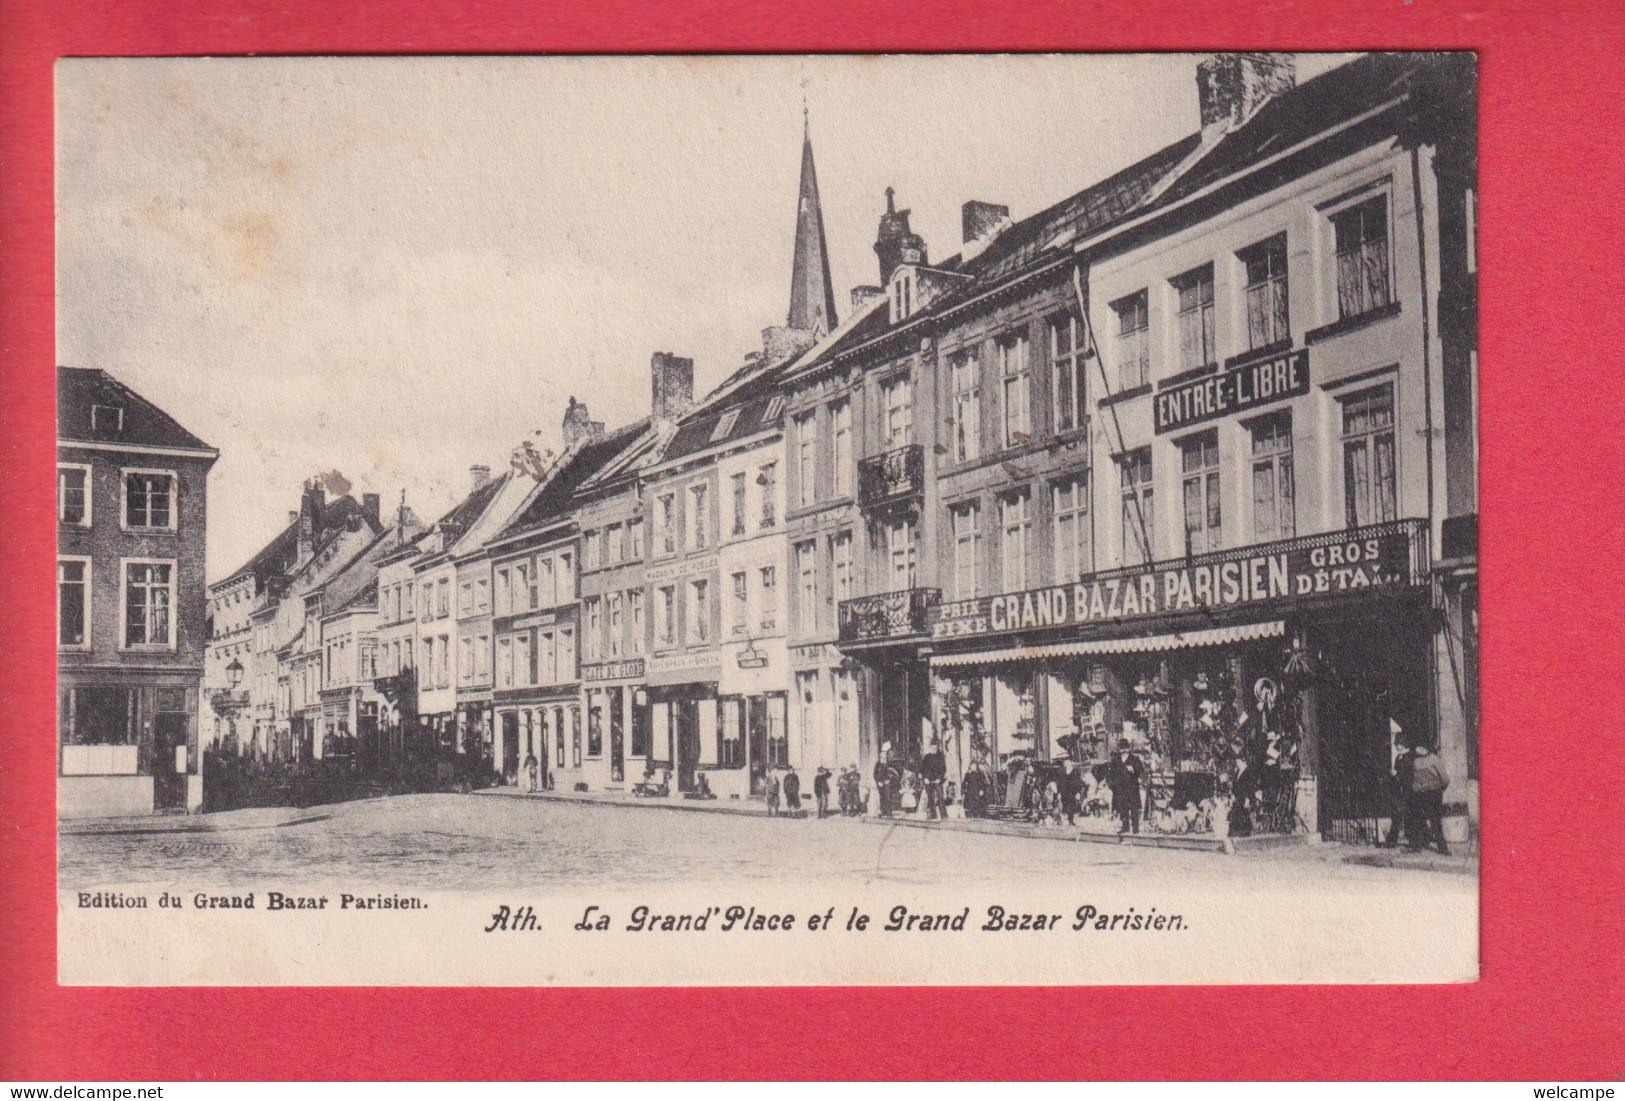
(456, 842)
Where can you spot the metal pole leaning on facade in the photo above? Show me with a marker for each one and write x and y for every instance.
(1094, 354)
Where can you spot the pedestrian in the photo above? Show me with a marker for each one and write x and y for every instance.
(1124, 776)
(934, 772)
(1426, 817)
(772, 786)
(885, 777)
(821, 791)
(792, 792)
(1071, 791)
(975, 790)
(530, 772)
(1399, 795)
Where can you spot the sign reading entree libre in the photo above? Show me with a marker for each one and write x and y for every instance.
(1232, 390)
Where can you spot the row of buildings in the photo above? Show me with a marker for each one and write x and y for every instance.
(1189, 457)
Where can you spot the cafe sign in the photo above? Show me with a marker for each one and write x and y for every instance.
(1359, 559)
(1232, 390)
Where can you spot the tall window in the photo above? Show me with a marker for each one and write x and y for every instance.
(1133, 340)
(699, 520)
(770, 598)
(1015, 522)
(465, 598)
(524, 667)
(666, 523)
(740, 612)
(1073, 542)
(521, 587)
(465, 664)
(737, 484)
(612, 623)
(806, 459)
(72, 602)
(1199, 473)
(1195, 318)
(967, 527)
(614, 545)
(634, 615)
(897, 412)
(840, 554)
(504, 592)
(666, 616)
(966, 380)
(634, 538)
(149, 603)
(546, 658)
(504, 661)
(592, 640)
(1067, 366)
(149, 500)
(900, 554)
(807, 590)
(73, 495)
(1273, 515)
(590, 542)
(699, 609)
(1368, 456)
(1134, 469)
(1015, 374)
(542, 588)
(840, 419)
(768, 479)
(442, 597)
(1266, 293)
(1362, 257)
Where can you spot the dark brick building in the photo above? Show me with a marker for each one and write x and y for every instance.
(132, 500)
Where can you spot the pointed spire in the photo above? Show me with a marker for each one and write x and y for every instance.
(812, 291)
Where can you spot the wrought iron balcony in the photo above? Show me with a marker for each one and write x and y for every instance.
(895, 476)
(883, 616)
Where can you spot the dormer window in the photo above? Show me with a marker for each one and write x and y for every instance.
(725, 425)
(904, 294)
(106, 418)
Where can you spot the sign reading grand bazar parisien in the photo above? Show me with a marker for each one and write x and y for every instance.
(1358, 559)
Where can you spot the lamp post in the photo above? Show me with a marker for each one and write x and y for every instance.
(226, 703)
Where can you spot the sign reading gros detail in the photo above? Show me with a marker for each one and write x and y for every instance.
(1359, 559)
(1232, 390)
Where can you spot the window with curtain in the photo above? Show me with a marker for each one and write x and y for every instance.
(1361, 241)
(1199, 477)
(1369, 490)
(1266, 293)
(1273, 492)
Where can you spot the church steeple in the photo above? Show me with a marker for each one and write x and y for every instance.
(812, 292)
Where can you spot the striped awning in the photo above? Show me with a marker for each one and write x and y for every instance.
(1210, 636)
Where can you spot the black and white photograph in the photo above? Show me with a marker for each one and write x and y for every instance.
(770, 520)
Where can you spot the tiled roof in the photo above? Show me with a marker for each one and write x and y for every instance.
(278, 556)
(554, 500)
(1315, 106)
(79, 389)
(761, 407)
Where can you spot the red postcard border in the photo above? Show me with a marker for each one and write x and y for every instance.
(1548, 1004)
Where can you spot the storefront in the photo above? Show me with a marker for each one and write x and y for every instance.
(685, 728)
(823, 708)
(755, 714)
(617, 715)
(1264, 688)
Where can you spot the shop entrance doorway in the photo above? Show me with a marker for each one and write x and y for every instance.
(169, 762)
(510, 746)
(688, 742)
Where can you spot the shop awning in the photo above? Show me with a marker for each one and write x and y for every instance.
(1210, 636)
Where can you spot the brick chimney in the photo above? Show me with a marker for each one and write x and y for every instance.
(672, 381)
(1231, 86)
(978, 219)
(311, 504)
(478, 475)
(370, 503)
(578, 425)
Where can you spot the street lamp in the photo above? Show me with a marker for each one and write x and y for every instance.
(226, 704)
(234, 674)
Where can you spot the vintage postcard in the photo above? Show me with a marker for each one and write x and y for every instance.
(768, 520)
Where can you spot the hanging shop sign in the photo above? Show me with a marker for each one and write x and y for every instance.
(612, 670)
(1345, 562)
(1232, 390)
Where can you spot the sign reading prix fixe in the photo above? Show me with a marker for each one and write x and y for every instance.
(1360, 560)
(1232, 390)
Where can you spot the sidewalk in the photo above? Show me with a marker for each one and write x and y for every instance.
(1097, 831)
(249, 818)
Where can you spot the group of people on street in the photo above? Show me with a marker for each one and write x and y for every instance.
(1418, 780)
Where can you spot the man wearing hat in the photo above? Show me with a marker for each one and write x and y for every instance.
(1124, 776)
